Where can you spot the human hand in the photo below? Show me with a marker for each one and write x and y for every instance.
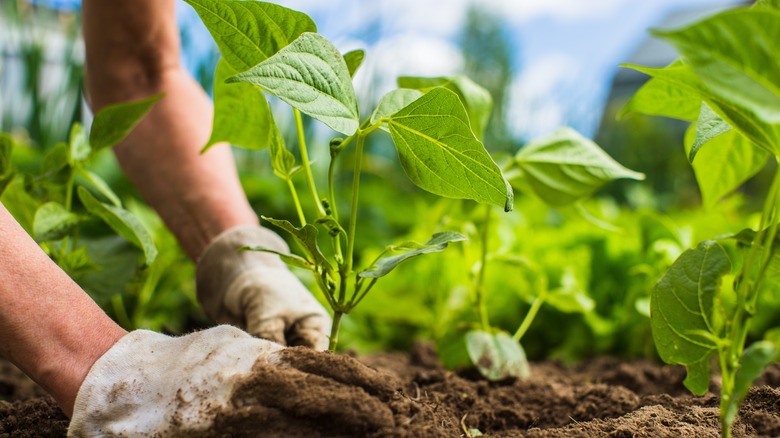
(223, 382)
(255, 290)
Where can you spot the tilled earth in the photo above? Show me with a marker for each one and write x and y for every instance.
(411, 395)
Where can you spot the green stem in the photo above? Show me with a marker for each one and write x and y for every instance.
(334, 330)
(334, 209)
(529, 317)
(306, 165)
(354, 208)
(296, 201)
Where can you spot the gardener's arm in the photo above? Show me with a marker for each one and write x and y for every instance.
(132, 53)
(48, 326)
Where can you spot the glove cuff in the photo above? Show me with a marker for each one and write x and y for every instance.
(222, 264)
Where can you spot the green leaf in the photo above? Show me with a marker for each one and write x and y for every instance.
(312, 76)
(754, 360)
(726, 163)
(290, 259)
(114, 122)
(764, 135)
(77, 263)
(282, 160)
(123, 222)
(354, 59)
(6, 170)
(709, 126)
(393, 102)
(570, 297)
(767, 4)
(437, 243)
(53, 221)
(697, 378)
(735, 55)
(242, 116)
(79, 147)
(306, 236)
(682, 305)
(440, 154)
(497, 356)
(55, 159)
(661, 98)
(565, 167)
(97, 183)
(475, 98)
(249, 32)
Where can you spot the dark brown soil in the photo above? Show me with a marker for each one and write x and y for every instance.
(411, 395)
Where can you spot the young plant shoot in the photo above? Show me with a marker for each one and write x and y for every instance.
(270, 49)
(726, 85)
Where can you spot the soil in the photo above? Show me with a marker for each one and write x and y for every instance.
(411, 395)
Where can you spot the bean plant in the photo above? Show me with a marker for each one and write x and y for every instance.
(726, 85)
(270, 49)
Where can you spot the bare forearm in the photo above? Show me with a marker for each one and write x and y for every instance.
(198, 196)
(49, 327)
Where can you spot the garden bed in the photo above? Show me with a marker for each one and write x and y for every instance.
(600, 397)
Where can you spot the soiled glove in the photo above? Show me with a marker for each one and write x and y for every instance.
(224, 382)
(255, 290)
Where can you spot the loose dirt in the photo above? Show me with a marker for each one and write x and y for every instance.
(411, 395)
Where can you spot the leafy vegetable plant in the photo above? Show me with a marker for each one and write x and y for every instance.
(726, 84)
(270, 49)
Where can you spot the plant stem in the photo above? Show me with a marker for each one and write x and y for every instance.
(334, 208)
(334, 330)
(529, 317)
(354, 208)
(306, 165)
(296, 201)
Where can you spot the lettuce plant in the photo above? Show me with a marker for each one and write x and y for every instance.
(726, 85)
(270, 49)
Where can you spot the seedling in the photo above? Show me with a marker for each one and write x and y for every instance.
(270, 49)
(725, 84)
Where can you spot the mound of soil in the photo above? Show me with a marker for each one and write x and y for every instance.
(411, 395)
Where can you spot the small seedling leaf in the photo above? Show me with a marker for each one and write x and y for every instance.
(290, 259)
(440, 154)
(497, 356)
(79, 148)
(475, 98)
(114, 122)
(53, 222)
(393, 102)
(306, 236)
(97, 183)
(744, 75)
(437, 243)
(56, 159)
(709, 126)
(565, 167)
(123, 222)
(682, 306)
(754, 360)
(312, 76)
(354, 59)
(242, 116)
(249, 32)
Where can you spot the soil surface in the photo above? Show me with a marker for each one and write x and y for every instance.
(411, 395)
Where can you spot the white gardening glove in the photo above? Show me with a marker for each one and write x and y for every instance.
(255, 290)
(219, 380)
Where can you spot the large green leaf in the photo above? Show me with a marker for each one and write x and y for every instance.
(735, 54)
(440, 154)
(496, 355)
(682, 76)
(121, 221)
(249, 32)
(437, 243)
(312, 76)
(53, 221)
(242, 116)
(565, 167)
(661, 98)
(725, 163)
(393, 102)
(476, 99)
(682, 309)
(114, 122)
(768, 4)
